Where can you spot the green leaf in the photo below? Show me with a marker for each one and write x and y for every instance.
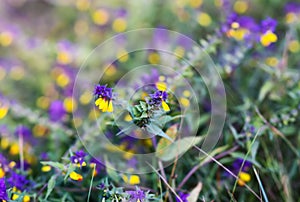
(265, 89)
(178, 148)
(50, 187)
(57, 165)
(143, 105)
(163, 142)
(194, 194)
(71, 168)
(144, 115)
(154, 129)
(163, 120)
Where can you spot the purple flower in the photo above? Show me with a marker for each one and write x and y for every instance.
(183, 197)
(3, 194)
(157, 98)
(185, 42)
(100, 166)
(23, 130)
(78, 158)
(292, 7)
(137, 195)
(56, 111)
(19, 181)
(269, 24)
(103, 92)
(236, 166)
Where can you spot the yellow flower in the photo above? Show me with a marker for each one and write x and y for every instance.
(75, 176)
(14, 149)
(6, 38)
(2, 173)
(70, 104)
(165, 106)
(100, 17)
(46, 168)
(268, 38)
(104, 105)
(132, 180)
(161, 86)
(204, 19)
(243, 178)
(154, 58)
(119, 25)
(64, 57)
(3, 110)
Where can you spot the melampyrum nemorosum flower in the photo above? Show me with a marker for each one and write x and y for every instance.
(103, 98)
(159, 97)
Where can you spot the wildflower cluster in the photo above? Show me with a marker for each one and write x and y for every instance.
(152, 111)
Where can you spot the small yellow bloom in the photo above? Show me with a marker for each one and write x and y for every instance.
(2, 173)
(119, 25)
(123, 56)
(70, 104)
(82, 5)
(165, 106)
(161, 86)
(268, 38)
(294, 46)
(26, 198)
(64, 57)
(46, 168)
(154, 58)
(240, 6)
(272, 61)
(62, 80)
(100, 17)
(104, 105)
(185, 102)
(75, 176)
(6, 38)
(244, 178)
(4, 143)
(195, 3)
(204, 19)
(132, 180)
(290, 18)
(238, 34)
(39, 130)
(43, 102)
(14, 149)
(179, 52)
(12, 164)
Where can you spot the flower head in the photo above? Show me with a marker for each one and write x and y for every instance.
(4, 107)
(57, 111)
(23, 130)
(75, 176)
(268, 27)
(78, 158)
(240, 27)
(159, 97)
(292, 10)
(103, 98)
(3, 194)
(137, 195)
(18, 181)
(183, 197)
(241, 171)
